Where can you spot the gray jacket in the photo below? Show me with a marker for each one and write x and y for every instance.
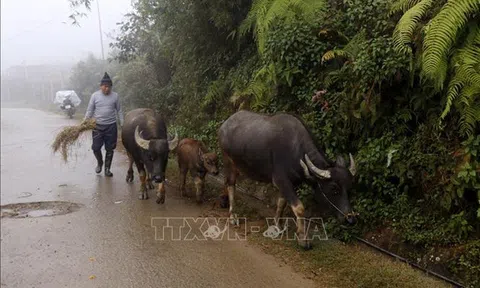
(105, 108)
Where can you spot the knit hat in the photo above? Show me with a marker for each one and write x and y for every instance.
(106, 80)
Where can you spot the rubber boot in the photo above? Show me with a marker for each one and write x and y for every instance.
(98, 155)
(108, 163)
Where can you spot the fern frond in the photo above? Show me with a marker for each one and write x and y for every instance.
(256, 90)
(469, 94)
(441, 35)
(464, 87)
(350, 50)
(461, 85)
(264, 13)
(403, 33)
(466, 64)
(217, 91)
(279, 8)
(258, 6)
(332, 54)
(469, 108)
(353, 46)
(260, 88)
(402, 6)
(469, 119)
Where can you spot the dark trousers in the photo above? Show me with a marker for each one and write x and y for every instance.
(104, 134)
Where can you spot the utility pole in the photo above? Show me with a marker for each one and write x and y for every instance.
(100, 28)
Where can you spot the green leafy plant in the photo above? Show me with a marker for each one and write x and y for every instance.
(446, 50)
(403, 33)
(264, 13)
(468, 264)
(441, 35)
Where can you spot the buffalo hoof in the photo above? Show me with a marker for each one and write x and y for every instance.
(234, 220)
(129, 178)
(161, 199)
(304, 243)
(307, 246)
(143, 196)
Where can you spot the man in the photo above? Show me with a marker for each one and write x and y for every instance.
(66, 102)
(104, 106)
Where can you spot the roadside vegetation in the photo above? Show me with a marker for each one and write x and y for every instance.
(332, 264)
(394, 82)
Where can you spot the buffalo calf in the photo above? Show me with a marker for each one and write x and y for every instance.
(193, 156)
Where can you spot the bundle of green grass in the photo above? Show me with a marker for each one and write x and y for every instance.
(69, 137)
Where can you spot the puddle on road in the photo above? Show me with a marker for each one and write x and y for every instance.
(38, 209)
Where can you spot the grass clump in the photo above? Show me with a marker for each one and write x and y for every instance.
(69, 136)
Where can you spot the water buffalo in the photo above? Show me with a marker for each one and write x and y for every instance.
(144, 136)
(279, 149)
(193, 156)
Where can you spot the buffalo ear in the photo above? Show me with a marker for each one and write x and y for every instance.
(340, 161)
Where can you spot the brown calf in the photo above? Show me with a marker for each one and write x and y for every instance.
(193, 156)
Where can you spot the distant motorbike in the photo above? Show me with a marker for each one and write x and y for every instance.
(67, 100)
(69, 109)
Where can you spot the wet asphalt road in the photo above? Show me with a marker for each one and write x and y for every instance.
(110, 241)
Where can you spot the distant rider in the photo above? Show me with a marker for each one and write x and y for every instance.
(66, 102)
(104, 106)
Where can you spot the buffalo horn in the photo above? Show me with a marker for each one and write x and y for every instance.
(172, 144)
(352, 168)
(317, 171)
(144, 144)
(305, 169)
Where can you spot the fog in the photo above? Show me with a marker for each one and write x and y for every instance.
(37, 32)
